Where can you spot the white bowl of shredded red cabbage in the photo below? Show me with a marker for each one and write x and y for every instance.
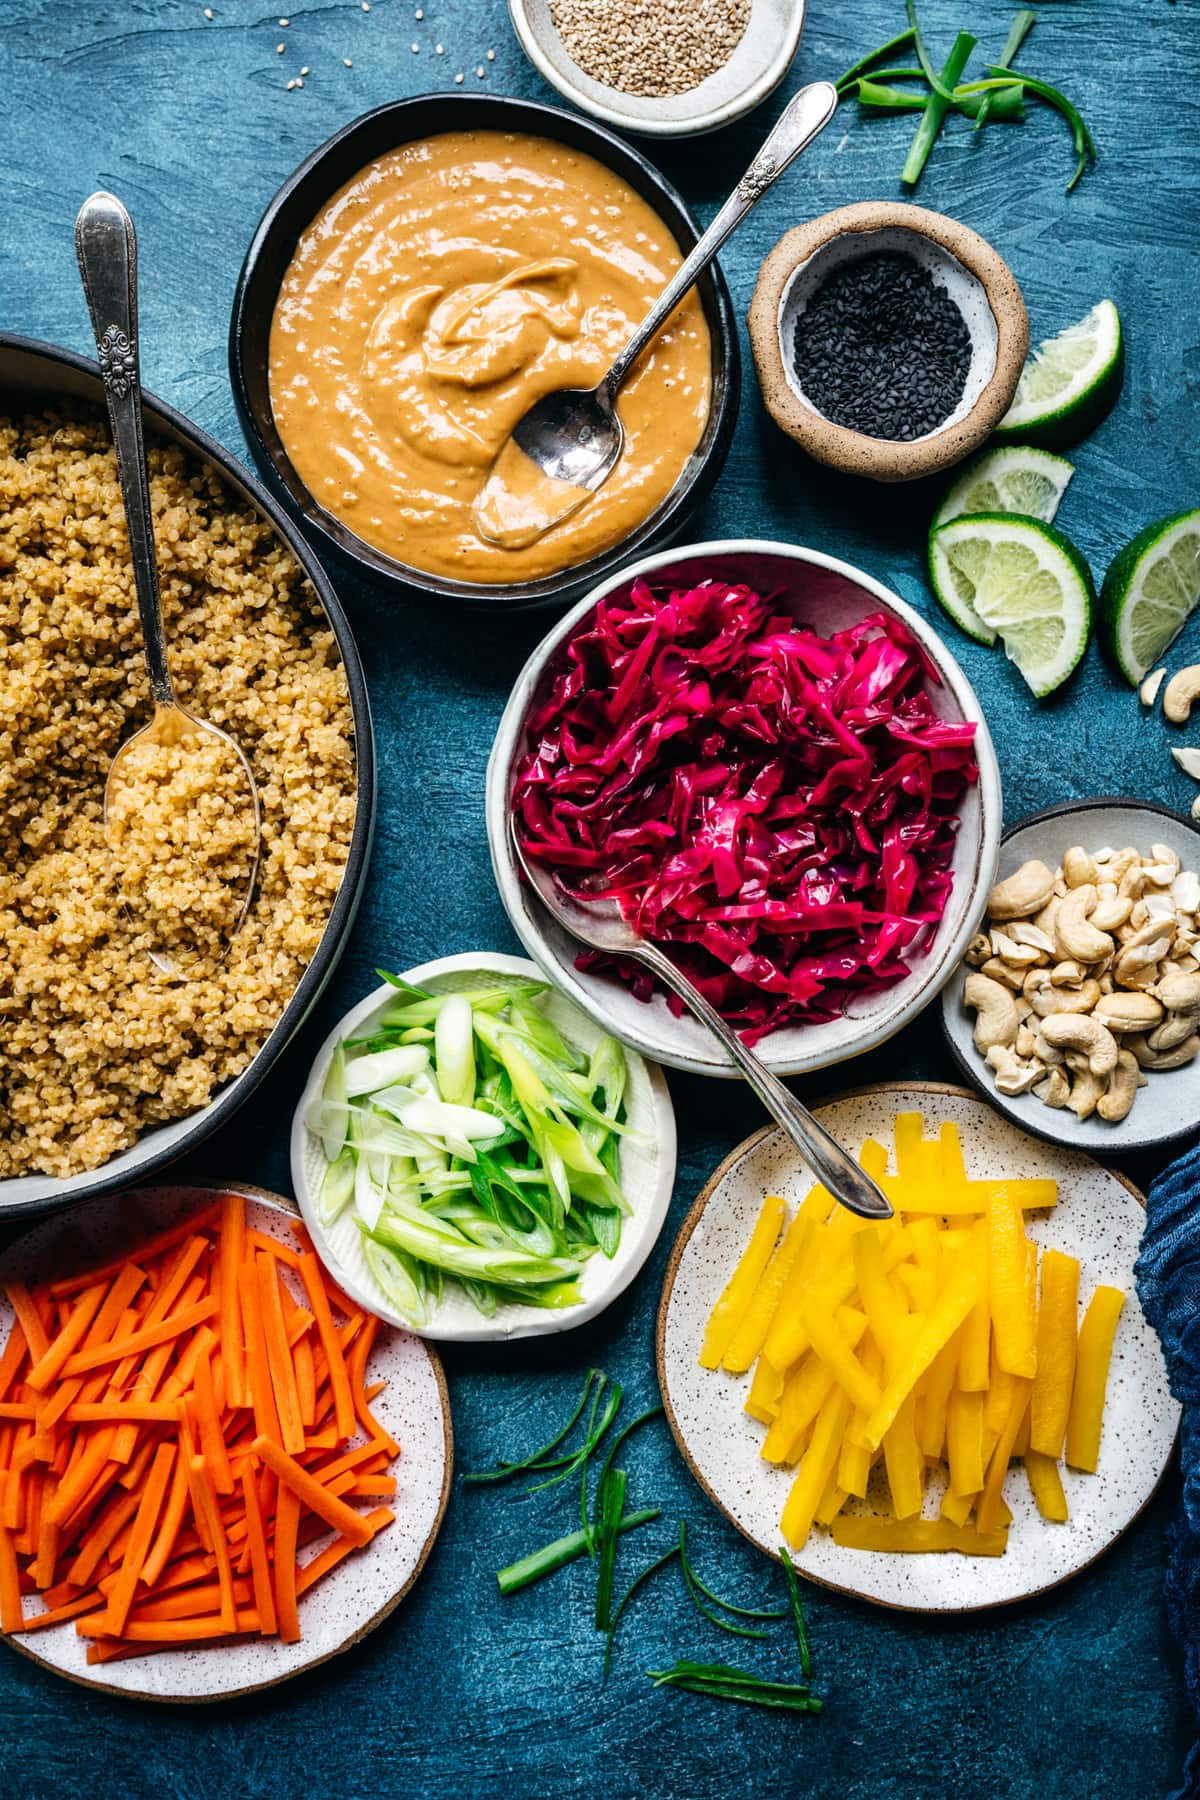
(781, 774)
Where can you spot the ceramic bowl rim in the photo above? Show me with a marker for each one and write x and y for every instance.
(485, 111)
(534, 1323)
(1128, 1145)
(938, 969)
(643, 125)
(175, 426)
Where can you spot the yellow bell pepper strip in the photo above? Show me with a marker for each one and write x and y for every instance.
(832, 1502)
(998, 1399)
(936, 1329)
(953, 1168)
(766, 1392)
(880, 1299)
(957, 1507)
(1028, 1193)
(854, 1460)
(935, 1397)
(735, 1298)
(904, 1462)
(1016, 1349)
(964, 1441)
(1091, 1378)
(1056, 1341)
(1045, 1484)
(975, 1358)
(987, 1513)
(1021, 1441)
(873, 1158)
(858, 1531)
(816, 1467)
(908, 1134)
(830, 1344)
(750, 1335)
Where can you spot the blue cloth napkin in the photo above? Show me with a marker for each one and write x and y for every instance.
(1168, 1285)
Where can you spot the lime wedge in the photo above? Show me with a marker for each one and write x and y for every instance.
(1069, 382)
(1151, 587)
(1014, 479)
(1025, 583)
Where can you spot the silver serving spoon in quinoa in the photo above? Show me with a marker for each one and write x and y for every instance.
(181, 809)
(569, 441)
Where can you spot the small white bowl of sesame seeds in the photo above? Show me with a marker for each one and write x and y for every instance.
(661, 68)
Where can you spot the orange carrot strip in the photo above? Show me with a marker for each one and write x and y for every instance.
(115, 1309)
(306, 1384)
(17, 1409)
(25, 1541)
(83, 1472)
(145, 1339)
(55, 1615)
(12, 1613)
(191, 1602)
(169, 1525)
(320, 1565)
(144, 1252)
(260, 1561)
(230, 1254)
(149, 1507)
(312, 1275)
(183, 1375)
(113, 1412)
(315, 1497)
(49, 1365)
(352, 1459)
(260, 1240)
(287, 1520)
(204, 1506)
(382, 1487)
(279, 1356)
(13, 1357)
(212, 1442)
(180, 1631)
(134, 1472)
(96, 1540)
(373, 1392)
(29, 1318)
(258, 1374)
(46, 1555)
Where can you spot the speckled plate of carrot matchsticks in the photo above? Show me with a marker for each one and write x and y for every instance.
(215, 1469)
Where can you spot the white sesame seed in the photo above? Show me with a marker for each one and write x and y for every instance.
(415, 48)
(304, 71)
(366, 5)
(479, 71)
(285, 23)
(491, 56)
(439, 49)
(299, 83)
(458, 78)
(291, 85)
(208, 12)
(420, 14)
(279, 49)
(347, 63)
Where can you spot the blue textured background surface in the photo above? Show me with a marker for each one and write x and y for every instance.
(1078, 1693)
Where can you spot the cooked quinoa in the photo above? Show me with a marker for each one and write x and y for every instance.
(95, 1043)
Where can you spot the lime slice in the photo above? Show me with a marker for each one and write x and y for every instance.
(1014, 479)
(1149, 591)
(1026, 585)
(1069, 382)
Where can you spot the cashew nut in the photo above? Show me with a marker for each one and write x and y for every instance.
(1013, 1076)
(1189, 761)
(1022, 893)
(1076, 1031)
(1175, 1029)
(1148, 692)
(1122, 1089)
(996, 1019)
(1185, 891)
(1077, 940)
(1128, 1012)
(1087, 1091)
(1132, 968)
(1162, 857)
(1044, 920)
(1026, 1041)
(1022, 956)
(1054, 1089)
(1047, 999)
(1179, 993)
(1079, 870)
(1182, 692)
(979, 949)
(1009, 973)
(1022, 932)
(1111, 911)
(1168, 1059)
(1067, 974)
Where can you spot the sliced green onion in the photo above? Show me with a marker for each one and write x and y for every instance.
(872, 57)
(563, 1550)
(454, 1048)
(720, 1682)
(1023, 23)
(612, 1506)
(942, 85)
(638, 1581)
(689, 1582)
(1085, 143)
(789, 1569)
(937, 106)
(336, 1187)
(383, 1068)
(592, 1438)
(626, 1432)
(504, 1470)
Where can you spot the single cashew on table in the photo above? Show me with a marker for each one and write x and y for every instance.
(1087, 976)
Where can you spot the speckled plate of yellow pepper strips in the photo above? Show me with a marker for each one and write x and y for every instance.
(955, 1408)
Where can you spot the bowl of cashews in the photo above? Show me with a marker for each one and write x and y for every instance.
(1077, 1008)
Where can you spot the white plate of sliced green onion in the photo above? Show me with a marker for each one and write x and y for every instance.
(476, 1158)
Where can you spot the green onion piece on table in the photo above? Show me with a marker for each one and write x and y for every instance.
(660, 1562)
(936, 108)
(612, 1506)
(537, 1458)
(563, 1550)
(1023, 23)
(802, 1645)
(900, 42)
(720, 1682)
(689, 1582)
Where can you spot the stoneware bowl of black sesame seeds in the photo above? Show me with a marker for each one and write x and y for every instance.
(888, 339)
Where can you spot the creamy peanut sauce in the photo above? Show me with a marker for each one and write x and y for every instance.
(442, 291)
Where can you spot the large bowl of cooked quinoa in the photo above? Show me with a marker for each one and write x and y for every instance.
(110, 1068)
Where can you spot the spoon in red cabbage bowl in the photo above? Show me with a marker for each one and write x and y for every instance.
(600, 924)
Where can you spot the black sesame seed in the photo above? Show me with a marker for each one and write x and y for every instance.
(881, 349)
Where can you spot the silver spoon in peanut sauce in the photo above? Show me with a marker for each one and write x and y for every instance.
(181, 810)
(569, 442)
